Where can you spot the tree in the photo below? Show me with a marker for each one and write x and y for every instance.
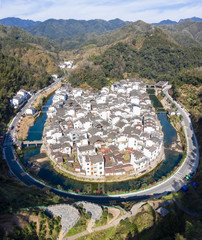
(179, 237)
(189, 230)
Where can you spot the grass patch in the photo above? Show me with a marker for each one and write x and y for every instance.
(101, 235)
(129, 228)
(80, 226)
(103, 219)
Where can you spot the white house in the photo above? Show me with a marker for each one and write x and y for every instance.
(77, 92)
(151, 152)
(105, 90)
(136, 110)
(132, 142)
(104, 114)
(101, 99)
(19, 98)
(66, 148)
(138, 160)
(135, 100)
(96, 165)
(122, 142)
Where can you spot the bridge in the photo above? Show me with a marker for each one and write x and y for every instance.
(29, 143)
(150, 85)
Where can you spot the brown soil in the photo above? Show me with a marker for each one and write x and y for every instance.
(46, 94)
(42, 159)
(9, 222)
(115, 212)
(28, 121)
(24, 126)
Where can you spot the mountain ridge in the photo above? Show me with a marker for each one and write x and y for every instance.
(18, 22)
(170, 22)
(55, 29)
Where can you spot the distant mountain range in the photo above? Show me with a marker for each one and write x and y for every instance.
(170, 22)
(24, 24)
(74, 34)
(54, 29)
(59, 29)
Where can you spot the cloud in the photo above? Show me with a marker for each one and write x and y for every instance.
(146, 10)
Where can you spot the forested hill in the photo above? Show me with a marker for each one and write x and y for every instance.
(187, 33)
(40, 53)
(12, 21)
(151, 53)
(55, 29)
(25, 62)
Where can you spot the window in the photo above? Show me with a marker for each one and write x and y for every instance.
(100, 167)
(100, 173)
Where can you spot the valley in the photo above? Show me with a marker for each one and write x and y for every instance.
(106, 52)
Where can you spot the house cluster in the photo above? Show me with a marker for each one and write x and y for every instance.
(113, 132)
(19, 98)
(67, 65)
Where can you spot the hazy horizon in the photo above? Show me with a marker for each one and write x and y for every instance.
(149, 11)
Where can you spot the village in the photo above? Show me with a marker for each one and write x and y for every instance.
(111, 133)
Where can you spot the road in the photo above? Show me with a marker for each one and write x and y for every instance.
(172, 184)
(114, 223)
(28, 105)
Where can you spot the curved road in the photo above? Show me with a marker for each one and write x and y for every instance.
(172, 184)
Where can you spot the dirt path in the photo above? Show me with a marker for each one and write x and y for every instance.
(24, 126)
(45, 159)
(112, 224)
(115, 212)
(90, 225)
(46, 94)
(60, 237)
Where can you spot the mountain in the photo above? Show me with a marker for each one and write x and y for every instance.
(166, 22)
(106, 38)
(26, 62)
(139, 49)
(24, 24)
(170, 22)
(186, 33)
(55, 29)
(194, 19)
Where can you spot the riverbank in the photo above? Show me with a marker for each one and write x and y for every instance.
(108, 179)
(179, 144)
(24, 125)
(49, 173)
(45, 95)
(26, 122)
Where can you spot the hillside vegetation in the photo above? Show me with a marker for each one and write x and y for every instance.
(155, 56)
(185, 33)
(62, 31)
(22, 23)
(25, 62)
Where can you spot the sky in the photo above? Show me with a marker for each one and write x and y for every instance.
(150, 11)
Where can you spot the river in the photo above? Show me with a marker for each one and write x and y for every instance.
(47, 173)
